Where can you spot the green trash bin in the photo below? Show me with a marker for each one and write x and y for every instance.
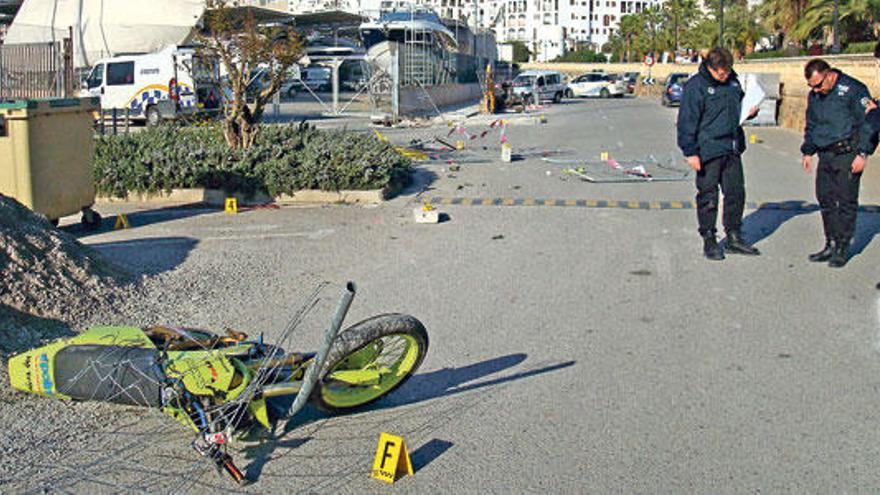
(46, 149)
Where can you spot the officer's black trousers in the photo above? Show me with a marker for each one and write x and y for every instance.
(727, 172)
(837, 190)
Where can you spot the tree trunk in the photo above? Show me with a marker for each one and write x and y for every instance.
(239, 129)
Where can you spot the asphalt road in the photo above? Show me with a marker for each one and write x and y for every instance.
(573, 348)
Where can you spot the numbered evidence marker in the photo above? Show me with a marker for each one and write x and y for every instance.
(231, 206)
(121, 222)
(603, 156)
(391, 459)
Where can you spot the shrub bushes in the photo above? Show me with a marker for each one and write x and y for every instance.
(284, 159)
(582, 56)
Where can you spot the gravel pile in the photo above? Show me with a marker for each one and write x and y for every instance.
(47, 278)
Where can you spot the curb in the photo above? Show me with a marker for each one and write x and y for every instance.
(217, 197)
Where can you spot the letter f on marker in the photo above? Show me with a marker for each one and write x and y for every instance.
(386, 455)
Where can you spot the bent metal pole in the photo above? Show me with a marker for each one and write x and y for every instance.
(313, 374)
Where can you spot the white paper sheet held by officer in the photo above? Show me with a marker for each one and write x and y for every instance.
(754, 96)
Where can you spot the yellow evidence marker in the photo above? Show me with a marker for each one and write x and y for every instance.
(391, 459)
(603, 156)
(231, 206)
(121, 222)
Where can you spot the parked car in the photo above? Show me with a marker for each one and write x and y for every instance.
(548, 83)
(315, 77)
(674, 87)
(597, 84)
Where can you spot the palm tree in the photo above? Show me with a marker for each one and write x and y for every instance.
(652, 19)
(680, 13)
(782, 15)
(631, 26)
(857, 18)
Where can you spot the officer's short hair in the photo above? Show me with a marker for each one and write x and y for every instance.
(814, 66)
(719, 58)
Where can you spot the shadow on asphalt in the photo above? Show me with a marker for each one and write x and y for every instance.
(443, 383)
(867, 227)
(766, 220)
(150, 256)
(422, 180)
(262, 454)
(432, 385)
(144, 218)
(423, 455)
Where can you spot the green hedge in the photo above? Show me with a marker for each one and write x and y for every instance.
(582, 56)
(284, 159)
(861, 47)
(772, 54)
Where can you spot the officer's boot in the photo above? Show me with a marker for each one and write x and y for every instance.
(824, 254)
(736, 244)
(711, 249)
(840, 255)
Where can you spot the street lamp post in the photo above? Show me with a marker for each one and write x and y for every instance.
(721, 22)
(835, 27)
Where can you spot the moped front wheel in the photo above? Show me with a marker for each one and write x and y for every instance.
(369, 361)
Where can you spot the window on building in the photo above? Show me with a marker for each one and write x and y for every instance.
(606, 21)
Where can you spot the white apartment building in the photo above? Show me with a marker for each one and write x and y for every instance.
(551, 27)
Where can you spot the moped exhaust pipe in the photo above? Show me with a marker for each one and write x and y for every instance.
(313, 374)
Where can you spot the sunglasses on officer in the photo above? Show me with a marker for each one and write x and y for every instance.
(817, 80)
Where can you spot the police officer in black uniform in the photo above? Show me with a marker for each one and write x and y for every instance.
(838, 131)
(710, 136)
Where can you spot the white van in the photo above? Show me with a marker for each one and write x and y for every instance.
(549, 84)
(156, 86)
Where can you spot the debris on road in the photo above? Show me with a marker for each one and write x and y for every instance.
(610, 170)
(426, 214)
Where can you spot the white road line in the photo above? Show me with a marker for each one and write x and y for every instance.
(158, 241)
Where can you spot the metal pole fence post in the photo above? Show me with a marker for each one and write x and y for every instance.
(395, 83)
(335, 71)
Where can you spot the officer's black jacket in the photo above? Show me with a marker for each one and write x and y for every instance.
(837, 116)
(708, 120)
(873, 120)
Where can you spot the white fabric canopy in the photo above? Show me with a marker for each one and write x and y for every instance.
(103, 28)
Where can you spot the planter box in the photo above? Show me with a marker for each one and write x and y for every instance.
(217, 197)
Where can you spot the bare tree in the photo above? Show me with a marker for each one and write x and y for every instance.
(245, 48)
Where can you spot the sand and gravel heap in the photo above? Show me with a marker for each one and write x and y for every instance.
(46, 275)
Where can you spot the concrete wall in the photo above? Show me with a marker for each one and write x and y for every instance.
(791, 72)
(415, 101)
